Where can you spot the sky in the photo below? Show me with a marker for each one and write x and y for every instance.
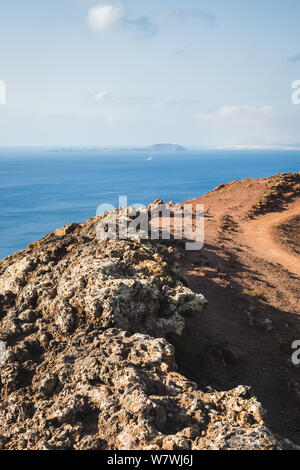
(139, 72)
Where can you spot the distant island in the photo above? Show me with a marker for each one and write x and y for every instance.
(152, 148)
(164, 148)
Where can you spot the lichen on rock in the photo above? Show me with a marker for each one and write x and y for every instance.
(86, 363)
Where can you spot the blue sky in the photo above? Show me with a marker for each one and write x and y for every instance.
(137, 72)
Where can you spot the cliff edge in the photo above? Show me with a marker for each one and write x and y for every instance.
(86, 360)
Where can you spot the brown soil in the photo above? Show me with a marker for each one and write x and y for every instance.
(252, 284)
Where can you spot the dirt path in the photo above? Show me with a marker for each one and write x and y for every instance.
(257, 235)
(252, 285)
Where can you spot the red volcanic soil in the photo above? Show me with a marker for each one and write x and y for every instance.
(252, 283)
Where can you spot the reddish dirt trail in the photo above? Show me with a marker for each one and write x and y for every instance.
(252, 284)
(258, 235)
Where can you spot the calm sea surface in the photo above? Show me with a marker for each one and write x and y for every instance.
(41, 190)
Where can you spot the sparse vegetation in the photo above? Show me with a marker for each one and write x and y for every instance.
(288, 234)
(256, 293)
(251, 275)
(286, 186)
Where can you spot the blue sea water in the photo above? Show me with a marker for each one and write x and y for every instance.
(41, 190)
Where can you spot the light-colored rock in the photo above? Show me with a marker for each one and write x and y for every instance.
(88, 365)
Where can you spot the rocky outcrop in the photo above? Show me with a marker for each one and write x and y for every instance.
(84, 359)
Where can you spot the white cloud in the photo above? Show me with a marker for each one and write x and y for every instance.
(101, 96)
(104, 16)
(111, 13)
(239, 114)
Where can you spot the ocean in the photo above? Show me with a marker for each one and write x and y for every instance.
(41, 189)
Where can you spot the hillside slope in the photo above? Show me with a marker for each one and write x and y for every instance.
(251, 279)
(88, 329)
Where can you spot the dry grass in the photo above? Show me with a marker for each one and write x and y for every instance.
(256, 293)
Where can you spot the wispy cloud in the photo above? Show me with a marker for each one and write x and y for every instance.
(246, 114)
(180, 51)
(103, 97)
(182, 103)
(294, 58)
(107, 97)
(142, 25)
(112, 14)
(188, 14)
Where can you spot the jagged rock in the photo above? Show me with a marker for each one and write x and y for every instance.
(84, 363)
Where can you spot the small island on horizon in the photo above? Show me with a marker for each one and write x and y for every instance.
(163, 148)
(151, 148)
